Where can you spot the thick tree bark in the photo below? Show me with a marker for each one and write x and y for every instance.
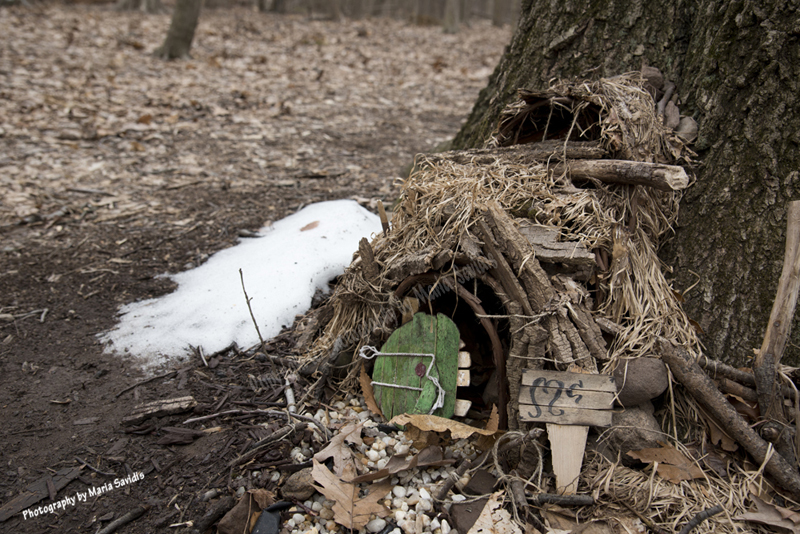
(181, 30)
(737, 68)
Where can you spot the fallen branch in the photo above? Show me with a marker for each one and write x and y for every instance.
(702, 388)
(131, 516)
(765, 367)
(610, 171)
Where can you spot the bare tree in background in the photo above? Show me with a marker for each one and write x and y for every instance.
(145, 6)
(181, 30)
(452, 16)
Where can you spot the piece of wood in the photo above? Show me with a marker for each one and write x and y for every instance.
(383, 217)
(549, 397)
(686, 371)
(38, 490)
(464, 359)
(567, 445)
(576, 381)
(565, 416)
(544, 240)
(655, 175)
(462, 407)
(529, 153)
(423, 335)
(780, 322)
(369, 267)
(159, 408)
(521, 257)
(502, 271)
(463, 378)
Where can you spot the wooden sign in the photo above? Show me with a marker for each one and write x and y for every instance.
(569, 403)
(566, 398)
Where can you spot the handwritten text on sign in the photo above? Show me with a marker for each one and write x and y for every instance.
(566, 398)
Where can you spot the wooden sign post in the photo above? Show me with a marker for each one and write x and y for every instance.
(568, 403)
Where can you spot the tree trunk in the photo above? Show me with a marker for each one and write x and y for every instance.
(451, 16)
(181, 30)
(737, 66)
(279, 6)
(145, 6)
(500, 12)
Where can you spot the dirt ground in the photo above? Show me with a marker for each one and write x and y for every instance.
(116, 167)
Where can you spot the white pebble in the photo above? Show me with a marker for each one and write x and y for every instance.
(330, 525)
(397, 502)
(363, 416)
(308, 504)
(382, 452)
(399, 491)
(334, 416)
(317, 507)
(380, 464)
(445, 527)
(376, 525)
(298, 519)
(412, 499)
(379, 445)
(426, 477)
(326, 513)
(290, 523)
(339, 405)
(396, 531)
(459, 498)
(399, 515)
(435, 475)
(424, 494)
(424, 506)
(435, 524)
(276, 476)
(373, 455)
(404, 507)
(401, 449)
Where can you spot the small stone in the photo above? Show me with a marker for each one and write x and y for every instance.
(373, 455)
(399, 491)
(380, 464)
(240, 492)
(399, 515)
(298, 519)
(640, 380)
(330, 525)
(413, 498)
(459, 498)
(424, 494)
(435, 524)
(424, 505)
(298, 486)
(339, 405)
(376, 525)
(426, 477)
(290, 523)
(317, 507)
(445, 527)
(401, 450)
(326, 514)
(379, 445)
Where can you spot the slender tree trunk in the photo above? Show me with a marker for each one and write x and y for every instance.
(181, 30)
(737, 69)
(452, 18)
(279, 6)
(500, 12)
(145, 6)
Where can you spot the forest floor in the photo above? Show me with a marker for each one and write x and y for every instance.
(116, 167)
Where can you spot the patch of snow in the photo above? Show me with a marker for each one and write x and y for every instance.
(282, 270)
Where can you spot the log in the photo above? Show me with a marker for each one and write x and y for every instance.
(612, 171)
(502, 271)
(702, 388)
(544, 241)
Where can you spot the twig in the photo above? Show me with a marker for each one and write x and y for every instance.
(561, 500)
(288, 415)
(202, 356)
(96, 470)
(699, 518)
(278, 435)
(253, 317)
(125, 519)
(146, 380)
